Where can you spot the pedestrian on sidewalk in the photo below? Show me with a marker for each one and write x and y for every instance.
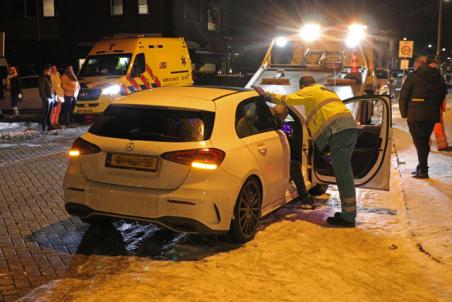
(55, 79)
(71, 88)
(331, 124)
(47, 96)
(14, 84)
(420, 103)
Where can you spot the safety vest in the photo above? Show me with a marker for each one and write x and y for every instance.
(322, 106)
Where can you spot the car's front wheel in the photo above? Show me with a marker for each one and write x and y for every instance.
(247, 212)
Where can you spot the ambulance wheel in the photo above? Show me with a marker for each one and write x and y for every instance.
(247, 212)
(318, 189)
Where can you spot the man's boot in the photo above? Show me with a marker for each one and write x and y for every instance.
(348, 215)
(306, 202)
(422, 174)
(338, 221)
(415, 171)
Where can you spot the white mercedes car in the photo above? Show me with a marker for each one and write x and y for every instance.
(208, 160)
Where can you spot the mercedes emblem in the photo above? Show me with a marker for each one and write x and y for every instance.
(129, 146)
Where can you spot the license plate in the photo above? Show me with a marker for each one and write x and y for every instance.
(133, 162)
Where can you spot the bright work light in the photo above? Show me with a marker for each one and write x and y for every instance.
(356, 33)
(281, 41)
(310, 32)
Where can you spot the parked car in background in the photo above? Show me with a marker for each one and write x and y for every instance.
(397, 77)
(208, 160)
(384, 81)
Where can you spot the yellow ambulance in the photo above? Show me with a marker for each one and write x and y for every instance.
(128, 63)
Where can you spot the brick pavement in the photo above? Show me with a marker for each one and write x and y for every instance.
(37, 237)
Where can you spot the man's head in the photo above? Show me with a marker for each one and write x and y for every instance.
(46, 69)
(53, 69)
(421, 60)
(306, 81)
(432, 62)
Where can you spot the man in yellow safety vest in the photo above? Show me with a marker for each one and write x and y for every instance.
(330, 124)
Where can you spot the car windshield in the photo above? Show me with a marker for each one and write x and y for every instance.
(105, 65)
(154, 124)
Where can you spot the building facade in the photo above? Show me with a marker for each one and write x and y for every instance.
(61, 31)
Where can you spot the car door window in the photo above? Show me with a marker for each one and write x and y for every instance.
(139, 65)
(253, 116)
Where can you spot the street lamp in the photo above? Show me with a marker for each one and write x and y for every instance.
(440, 27)
(430, 46)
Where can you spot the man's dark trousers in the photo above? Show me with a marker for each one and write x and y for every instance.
(421, 132)
(47, 105)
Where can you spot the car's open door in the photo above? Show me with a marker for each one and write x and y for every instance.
(371, 159)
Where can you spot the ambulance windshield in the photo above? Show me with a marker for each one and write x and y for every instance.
(105, 65)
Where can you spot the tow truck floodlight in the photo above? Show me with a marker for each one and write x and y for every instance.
(356, 33)
(310, 32)
(281, 41)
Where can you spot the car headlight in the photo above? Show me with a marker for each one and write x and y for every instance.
(112, 90)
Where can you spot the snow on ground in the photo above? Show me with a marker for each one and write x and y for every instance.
(294, 257)
(18, 131)
(429, 202)
(21, 131)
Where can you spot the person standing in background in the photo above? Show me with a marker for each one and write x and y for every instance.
(420, 103)
(46, 94)
(59, 96)
(15, 85)
(71, 88)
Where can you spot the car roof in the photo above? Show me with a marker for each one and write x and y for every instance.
(193, 97)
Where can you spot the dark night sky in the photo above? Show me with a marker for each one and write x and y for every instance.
(415, 19)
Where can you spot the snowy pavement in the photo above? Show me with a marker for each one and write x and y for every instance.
(429, 202)
(294, 257)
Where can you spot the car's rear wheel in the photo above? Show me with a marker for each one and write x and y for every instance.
(247, 212)
(318, 189)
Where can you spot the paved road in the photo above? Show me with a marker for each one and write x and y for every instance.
(37, 237)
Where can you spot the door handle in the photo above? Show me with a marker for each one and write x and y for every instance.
(262, 149)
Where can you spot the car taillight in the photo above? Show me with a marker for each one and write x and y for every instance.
(82, 147)
(207, 158)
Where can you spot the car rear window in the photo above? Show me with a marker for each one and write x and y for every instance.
(154, 124)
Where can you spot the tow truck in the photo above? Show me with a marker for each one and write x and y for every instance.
(343, 62)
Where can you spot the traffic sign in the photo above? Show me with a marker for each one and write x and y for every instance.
(406, 49)
(404, 64)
